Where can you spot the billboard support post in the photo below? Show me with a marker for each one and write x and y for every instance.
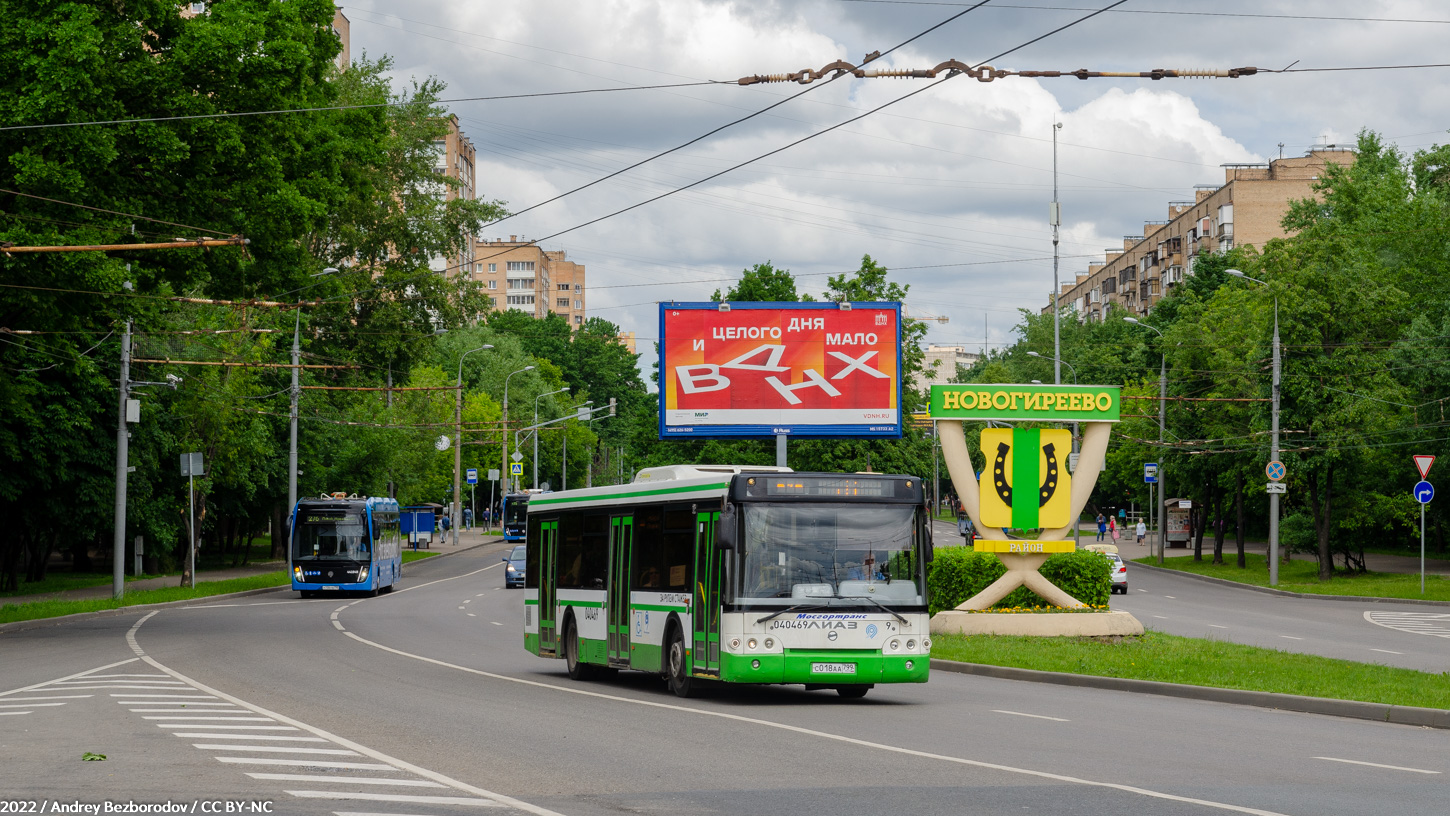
(780, 450)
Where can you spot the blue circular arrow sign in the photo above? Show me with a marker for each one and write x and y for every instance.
(1424, 492)
(1275, 470)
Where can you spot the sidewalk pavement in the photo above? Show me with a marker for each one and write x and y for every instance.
(1374, 562)
(442, 545)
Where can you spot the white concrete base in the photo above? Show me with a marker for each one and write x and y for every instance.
(1045, 624)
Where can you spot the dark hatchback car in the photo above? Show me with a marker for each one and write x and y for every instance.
(513, 570)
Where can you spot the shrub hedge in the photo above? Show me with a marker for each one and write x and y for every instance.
(957, 573)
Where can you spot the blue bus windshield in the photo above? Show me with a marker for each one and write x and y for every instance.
(331, 535)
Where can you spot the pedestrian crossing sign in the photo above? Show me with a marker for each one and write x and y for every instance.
(516, 468)
(1025, 486)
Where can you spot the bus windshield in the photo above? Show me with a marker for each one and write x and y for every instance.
(331, 536)
(829, 554)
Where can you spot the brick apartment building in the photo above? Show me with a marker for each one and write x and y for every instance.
(523, 276)
(1245, 210)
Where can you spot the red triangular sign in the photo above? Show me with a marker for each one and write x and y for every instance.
(1424, 463)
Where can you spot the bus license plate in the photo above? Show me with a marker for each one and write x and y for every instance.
(332, 587)
(833, 668)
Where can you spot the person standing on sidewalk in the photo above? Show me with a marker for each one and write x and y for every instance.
(468, 518)
(1102, 526)
(1142, 531)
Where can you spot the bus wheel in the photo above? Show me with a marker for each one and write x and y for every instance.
(853, 692)
(676, 671)
(578, 669)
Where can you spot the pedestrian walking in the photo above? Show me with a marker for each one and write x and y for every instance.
(468, 518)
(1142, 532)
(1102, 526)
(1113, 527)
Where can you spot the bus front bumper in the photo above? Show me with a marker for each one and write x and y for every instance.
(824, 667)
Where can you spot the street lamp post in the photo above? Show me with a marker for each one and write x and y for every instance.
(503, 474)
(1162, 407)
(1055, 216)
(1273, 439)
(1057, 380)
(457, 513)
(536, 431)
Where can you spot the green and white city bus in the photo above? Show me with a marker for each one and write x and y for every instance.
(734, 574)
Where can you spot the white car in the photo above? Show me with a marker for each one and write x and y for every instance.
(1120, 573)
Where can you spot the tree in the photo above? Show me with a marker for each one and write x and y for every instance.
(762, 283)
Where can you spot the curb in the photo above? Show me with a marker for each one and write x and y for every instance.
(17, 626)
(1285, 593)
(1353, 709)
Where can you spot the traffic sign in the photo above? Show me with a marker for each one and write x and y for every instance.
(493, 474)
(516, 469)
(191, 465)
(1275, 487)
(1150, 473)
(472, 475)
(442, 443)
(1275, 471)
(1424, 492)
(517, 457)
(1423, 463)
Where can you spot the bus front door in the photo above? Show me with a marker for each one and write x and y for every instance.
(705, 615)
(621, 542)
(548, 597)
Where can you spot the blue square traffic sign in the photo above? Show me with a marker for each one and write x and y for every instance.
(472, 475)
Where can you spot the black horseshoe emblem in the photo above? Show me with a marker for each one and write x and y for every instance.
(1004, 490)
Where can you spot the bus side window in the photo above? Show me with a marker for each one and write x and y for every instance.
(534, 543)
(570, 563)
(648, 563)
(679, 546)
(596, 551)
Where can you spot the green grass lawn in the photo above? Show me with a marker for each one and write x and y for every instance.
(51, 609)
(1192, 661)
(204, 588)
(1303, 576)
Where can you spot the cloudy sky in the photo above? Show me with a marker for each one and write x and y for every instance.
(949, 188)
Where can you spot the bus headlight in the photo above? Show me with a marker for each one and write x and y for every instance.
(895, 644)
(297, 573)
(770, 643)
(362, 574)
(926, 644)
(735, 643)
(750, 643)
(910, 645)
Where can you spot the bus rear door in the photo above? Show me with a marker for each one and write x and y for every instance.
(705, 616)
(548, 596)
(621, 543)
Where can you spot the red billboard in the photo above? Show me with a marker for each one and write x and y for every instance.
(761, 369)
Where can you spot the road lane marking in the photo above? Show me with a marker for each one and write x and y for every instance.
(460, 607)
(12, 713)
(1377, 765)
(395, 797)
(1170, 596)
(1033, 716)
(1216, 626)
(160, 697)
(274, 749)
(471, 615)
(351, 780)
(52, 697)
(162, 677)
(1386, 651)
(1290, 637)
(1160, 617)
(972, 763)
(490, 799)
(218, 719)
(30, 705)
(1142, 590)
(305, 763)
(67, 677)
(227, 727)
(251, 736)
(116, 686)
(1415, 623)
(495, 623)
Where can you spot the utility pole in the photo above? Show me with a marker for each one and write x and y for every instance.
(292, 420)
(1055, 213)
(1162, 471)
(118, 559)
(1274, 457)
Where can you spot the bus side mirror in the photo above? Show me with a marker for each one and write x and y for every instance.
(726, 529)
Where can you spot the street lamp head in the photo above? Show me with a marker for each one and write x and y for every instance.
(1131, 319)
(1033, 354)
(1037, 382)
(527, 368)
(1236, 273)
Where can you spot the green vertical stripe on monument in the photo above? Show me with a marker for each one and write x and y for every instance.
(1026, 477)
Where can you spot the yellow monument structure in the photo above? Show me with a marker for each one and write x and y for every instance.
(1026, 484)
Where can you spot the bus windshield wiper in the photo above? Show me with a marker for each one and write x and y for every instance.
(798, 608)
(883, 606)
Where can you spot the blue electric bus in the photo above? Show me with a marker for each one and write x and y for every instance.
(515, 516)
(342, 542)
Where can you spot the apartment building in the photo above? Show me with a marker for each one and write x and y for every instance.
(1245, 210)
(940, 365)
(341, 26)
(521, 275)
(454, 157)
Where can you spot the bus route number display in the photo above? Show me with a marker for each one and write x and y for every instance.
(768, 369)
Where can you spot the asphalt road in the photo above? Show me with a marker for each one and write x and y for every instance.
(424, 702)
